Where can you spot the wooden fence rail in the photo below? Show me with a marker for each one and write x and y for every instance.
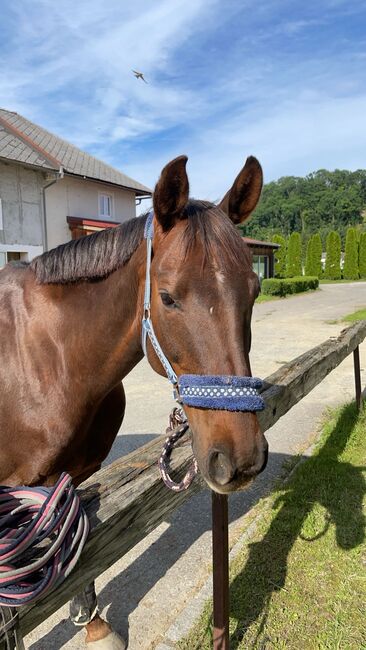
(127, 500)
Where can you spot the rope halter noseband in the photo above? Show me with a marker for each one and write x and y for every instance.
(219, 392)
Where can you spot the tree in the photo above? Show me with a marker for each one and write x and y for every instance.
(362, 256)
(309, 265)
(317, 255)
(293, 264)
(320, 202)
(280, 256)
(350, 269)
(333, 256)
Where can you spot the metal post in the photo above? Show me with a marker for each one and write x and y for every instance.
(356, 362)
(220, 557)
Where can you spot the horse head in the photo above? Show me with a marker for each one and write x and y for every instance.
(202, 293)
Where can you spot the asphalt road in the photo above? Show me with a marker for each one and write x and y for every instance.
(145, 591)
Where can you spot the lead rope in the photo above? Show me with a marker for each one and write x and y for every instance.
(42, 533)
(178, 425)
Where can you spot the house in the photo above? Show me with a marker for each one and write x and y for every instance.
(263, 256)
(51, 191)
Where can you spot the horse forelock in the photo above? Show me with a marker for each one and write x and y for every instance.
(95, 257)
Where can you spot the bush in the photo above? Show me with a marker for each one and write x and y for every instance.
(280, 256)
(317, 256)
(309, 266)
(283, 287)
(350, 269)
(293, 266)
(333, 257)
(362, 260)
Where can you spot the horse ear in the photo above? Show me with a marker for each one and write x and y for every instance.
(171, 192)
(240, 201)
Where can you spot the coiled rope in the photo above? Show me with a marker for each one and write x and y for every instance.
(42, 533)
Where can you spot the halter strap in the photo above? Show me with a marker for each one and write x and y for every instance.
(224, 392)
(147, 326)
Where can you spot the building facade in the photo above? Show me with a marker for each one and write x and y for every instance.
(46, 183)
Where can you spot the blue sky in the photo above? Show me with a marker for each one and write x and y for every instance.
(282, 80)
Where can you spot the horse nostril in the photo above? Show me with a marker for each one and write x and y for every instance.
(220, 468)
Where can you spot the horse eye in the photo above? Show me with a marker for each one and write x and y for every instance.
(167, 300)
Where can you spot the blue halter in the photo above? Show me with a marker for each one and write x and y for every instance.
(222, 392)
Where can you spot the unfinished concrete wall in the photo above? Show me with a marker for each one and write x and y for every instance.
(21, 202)
(74, 197)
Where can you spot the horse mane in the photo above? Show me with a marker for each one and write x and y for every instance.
(94, 257)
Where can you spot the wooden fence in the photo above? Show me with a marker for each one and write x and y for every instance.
(127, 500)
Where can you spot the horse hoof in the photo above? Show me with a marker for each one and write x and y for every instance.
(110, 642)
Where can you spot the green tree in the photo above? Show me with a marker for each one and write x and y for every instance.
(350, 269)
(333, 256)
(309, 263)
(293, 263)
(280, 256)
(317, 255)
(362, 255)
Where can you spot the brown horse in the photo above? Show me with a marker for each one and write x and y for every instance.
(70, 326)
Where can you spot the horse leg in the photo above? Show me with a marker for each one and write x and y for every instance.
(99, 634)
(84, 607)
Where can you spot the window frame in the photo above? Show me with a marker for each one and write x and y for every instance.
(108, 195)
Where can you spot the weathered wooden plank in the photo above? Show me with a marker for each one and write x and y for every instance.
(127, 499)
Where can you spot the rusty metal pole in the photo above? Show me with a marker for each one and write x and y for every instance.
(220, 558)
(356, 363)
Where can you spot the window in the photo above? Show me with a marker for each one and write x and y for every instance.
(260, 266)
(105, 205)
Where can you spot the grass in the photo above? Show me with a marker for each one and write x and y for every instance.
(264, 298)
(300, 581)
(325, 281)
(357, 315)
(350, 318)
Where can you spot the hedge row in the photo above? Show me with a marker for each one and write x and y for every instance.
(282, 287)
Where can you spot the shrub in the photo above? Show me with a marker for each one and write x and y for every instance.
(293, 265)
(350, 269)
(309, 266)
(283, 287)
(280, 256)
(333, 256)
(362, 259)
(317, 256)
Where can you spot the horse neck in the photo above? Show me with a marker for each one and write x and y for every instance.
(101, 324)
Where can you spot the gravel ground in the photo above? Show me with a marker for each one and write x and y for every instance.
(144, 592)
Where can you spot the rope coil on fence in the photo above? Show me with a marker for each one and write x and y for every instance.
(42, 533)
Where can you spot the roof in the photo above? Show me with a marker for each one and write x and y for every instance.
(257, 242)
(24, 142)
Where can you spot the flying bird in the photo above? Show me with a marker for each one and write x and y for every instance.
(139, 75)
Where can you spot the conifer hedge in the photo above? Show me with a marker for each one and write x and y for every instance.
(317, 255)
(333, 256)
(309, 266)
(350, 269)
(293, 262)
(280, 256)
(362, 257)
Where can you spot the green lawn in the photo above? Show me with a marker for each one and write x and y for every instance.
(357, 315)
(300, 581)
(325, 281)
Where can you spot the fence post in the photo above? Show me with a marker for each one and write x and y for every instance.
(356, 364)
(220, 558)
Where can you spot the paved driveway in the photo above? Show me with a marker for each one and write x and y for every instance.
(146, 590)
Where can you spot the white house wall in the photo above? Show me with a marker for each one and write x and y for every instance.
(72, 197)
(21, 204)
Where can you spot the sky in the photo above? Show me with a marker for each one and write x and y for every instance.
(284, 80)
